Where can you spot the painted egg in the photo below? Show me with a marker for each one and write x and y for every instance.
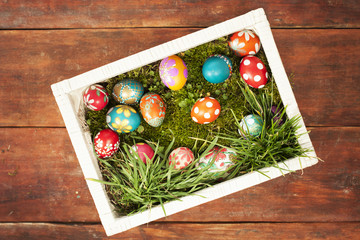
(217, 68)
(251, 125)
(245, 42)
(95, 97)
(220, 159)
(173, 72)
(205, 110)
(106, 143)
(128, 91)
(123, 119)
(277, 115)
(181, 157)
(253, 71)
(152, 108)
(143, 150)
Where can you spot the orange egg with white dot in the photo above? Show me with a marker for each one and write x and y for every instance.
(205, 110)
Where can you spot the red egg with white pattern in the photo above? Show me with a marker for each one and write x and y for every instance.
(181, 157)
(205, 110)
(144, 150)
(95, 97)
(106, 143)
(253, 71)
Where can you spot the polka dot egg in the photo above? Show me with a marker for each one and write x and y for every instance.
(251, 125)
(181, 157)
(205, 110)
(128, 91)
(253, 71)
(245, 42)
(123, 119)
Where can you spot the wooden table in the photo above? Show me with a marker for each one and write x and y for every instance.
(43, 194)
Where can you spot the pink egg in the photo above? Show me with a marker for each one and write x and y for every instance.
(143, 149)
(181, 157)
(253, 71)
(106, 143)
(95, 97)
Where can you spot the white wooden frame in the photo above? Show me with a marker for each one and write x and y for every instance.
(68, 94)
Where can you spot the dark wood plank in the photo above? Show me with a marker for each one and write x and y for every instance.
(162, 13)
(41, 181)
(33, 60)
(34, 231)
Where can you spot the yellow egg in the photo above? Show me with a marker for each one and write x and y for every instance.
(173, 72)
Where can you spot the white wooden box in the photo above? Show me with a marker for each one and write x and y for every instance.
(68, 95)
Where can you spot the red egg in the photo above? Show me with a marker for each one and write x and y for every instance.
(95, 97)
(205, 110)
(253, 71)
(143, 149)
(244, 43)
(106, 143)
(181, 157)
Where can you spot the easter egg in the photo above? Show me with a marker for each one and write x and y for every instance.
(219, 159)
(152, 108)
(181, 157)
(253, 71)
(173, 72)
(205, 110)
(277, 115)
(245, 42)
(95, 97)
(251, 125)
(106, 143)
(128, 91)
(123, 119)
(217, 68)
(143, 150)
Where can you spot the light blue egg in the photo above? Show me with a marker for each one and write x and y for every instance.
(251, 125)
(217, 68)
(123, 119)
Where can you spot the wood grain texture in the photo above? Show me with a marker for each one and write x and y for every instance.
(325, 64)
(44, 231)
(174, 13)
(41, 181)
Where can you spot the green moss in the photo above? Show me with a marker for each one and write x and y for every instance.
(179, 103)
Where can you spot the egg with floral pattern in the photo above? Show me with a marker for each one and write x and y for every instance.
(251, 124)
(106, 143)
(152, 108)
(181, 157)
(128, 91)
(217, 68)
(95, 97)
(173, 72)
(217, 159)
(123, 119)
(143, 150)
(245, 42)
(205, 110)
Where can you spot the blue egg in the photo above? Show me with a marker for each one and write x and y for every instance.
(128, 91)
(217, 68)
(251, 125)
(123, 119)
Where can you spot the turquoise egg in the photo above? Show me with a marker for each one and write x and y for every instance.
(128, 91)
(123, 119)
(251, 125)
(217, 68)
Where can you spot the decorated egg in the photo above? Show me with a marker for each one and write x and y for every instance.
(128, 91)
(143, 150)
(173, 72)
(245, 42)
(205, 110)
(217, 68)
(181, 157)
(253, 71)
(251, 125)
(277, 115)
(106, 143)
(219, 159)
(95, 97)
(152, 108)
(123, 119)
